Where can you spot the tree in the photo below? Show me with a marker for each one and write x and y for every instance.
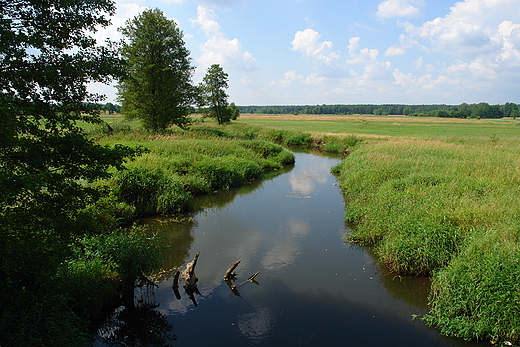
(234, 111)
(157, 86)
(46, 161)
(509, 109)
(214, 97)
(110, 108)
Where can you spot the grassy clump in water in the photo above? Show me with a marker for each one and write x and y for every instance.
(446, 209)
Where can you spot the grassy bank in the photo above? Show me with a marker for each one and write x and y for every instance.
(178, 165)
(437, 197)
(450, 210)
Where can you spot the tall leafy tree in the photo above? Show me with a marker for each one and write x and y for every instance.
(46, 59)
(214, 97)
(157, 86)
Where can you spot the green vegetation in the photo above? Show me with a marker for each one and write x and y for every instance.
(54, 281)
(156, 87)
(444, 129)
(64, 197)
(184, 163)
(214, 97)
(450, 210)
(481, 110)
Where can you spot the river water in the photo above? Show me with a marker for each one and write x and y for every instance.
(313, 289)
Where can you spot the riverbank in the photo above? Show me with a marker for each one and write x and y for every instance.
(449, 210)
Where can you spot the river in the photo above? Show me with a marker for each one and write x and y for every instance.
(313, 289)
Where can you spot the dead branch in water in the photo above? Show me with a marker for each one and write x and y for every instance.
(252, 277)
(229, 273)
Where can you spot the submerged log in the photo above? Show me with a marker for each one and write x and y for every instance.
(229, 273)
(188, 275)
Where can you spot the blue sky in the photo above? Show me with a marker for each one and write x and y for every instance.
(307, 52)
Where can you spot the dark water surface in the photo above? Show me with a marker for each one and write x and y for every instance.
(313, 289)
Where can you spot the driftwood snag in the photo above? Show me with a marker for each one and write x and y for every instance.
(188, 275)
(252, 277)
(229, 273)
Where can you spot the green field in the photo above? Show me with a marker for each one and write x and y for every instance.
(391, 126)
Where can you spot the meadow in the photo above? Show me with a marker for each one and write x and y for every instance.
(437, 197)
(390, 126)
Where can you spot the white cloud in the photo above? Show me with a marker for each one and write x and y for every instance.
(391, 51)
(472, 27)
(315, 78)
(360, 56)
(218, 49)
(212, 3)
(124, 11)
(399, 8)
(308, 42)
(482, 37)
(206, 18)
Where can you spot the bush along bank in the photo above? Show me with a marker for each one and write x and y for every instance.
(180, 165)
(450, 211)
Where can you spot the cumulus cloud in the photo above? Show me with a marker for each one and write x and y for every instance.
(218, 49)
(308, 42)
(124, 12)
(483, 38)
(360, 55)
(212, 3)
(399, 8)
(391, 51)
(472, 27)
(206, 18)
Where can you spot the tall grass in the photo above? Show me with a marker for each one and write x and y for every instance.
(447, 209)
(181, 164)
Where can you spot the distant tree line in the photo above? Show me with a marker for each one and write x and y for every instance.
(464, 110)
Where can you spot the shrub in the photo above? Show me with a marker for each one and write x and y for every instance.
(264, 148)
(299, 139)
(89, 285)
(109, 213)
(173, 197)
(227, 171)
(333, 148)
(151, 191)
(127, 252)
(270, 165)
(195, 184)
(285, 158)
(140, 188)
(274, 135)
(351, 141)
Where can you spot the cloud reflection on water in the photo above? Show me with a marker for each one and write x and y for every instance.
(257, 325)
